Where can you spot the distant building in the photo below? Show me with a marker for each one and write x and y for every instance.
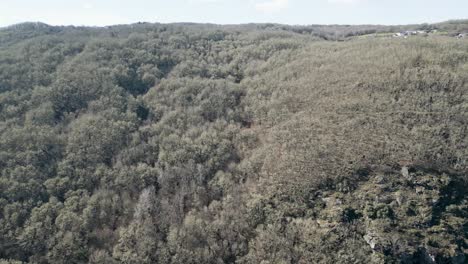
(408, 33)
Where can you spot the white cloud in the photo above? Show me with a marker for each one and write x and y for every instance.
(272, 6)
(345, 1)
(88, 6)
(205, 1)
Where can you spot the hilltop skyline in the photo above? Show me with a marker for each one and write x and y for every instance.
(295, 12)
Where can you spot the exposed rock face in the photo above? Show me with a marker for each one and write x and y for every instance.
(417, 202)
(405, 172)
(380, 179)
(371, 240)
(400, 198)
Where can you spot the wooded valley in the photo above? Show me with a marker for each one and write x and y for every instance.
(259, 143)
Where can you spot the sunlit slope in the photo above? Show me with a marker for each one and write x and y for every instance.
(363, 138)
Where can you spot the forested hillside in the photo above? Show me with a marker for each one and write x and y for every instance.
(261, 143)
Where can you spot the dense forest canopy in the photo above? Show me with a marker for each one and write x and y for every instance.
(259, 143)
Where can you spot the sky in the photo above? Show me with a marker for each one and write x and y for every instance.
(295, 12)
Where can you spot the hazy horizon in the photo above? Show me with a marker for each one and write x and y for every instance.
(232, 24)
(229, 12)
